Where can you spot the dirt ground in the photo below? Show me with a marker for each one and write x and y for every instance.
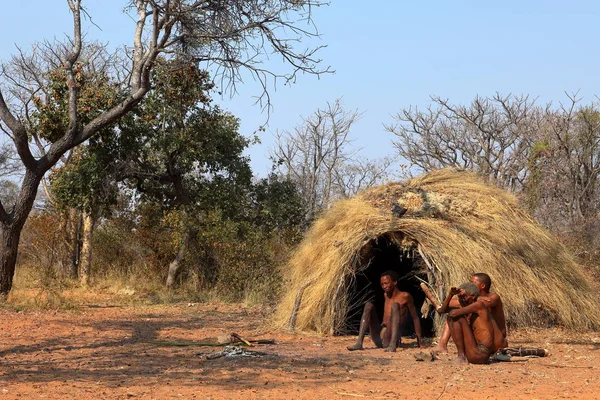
(106, 352)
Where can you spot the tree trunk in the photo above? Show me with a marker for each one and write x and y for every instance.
(76, 223)
(9, 242)
(72, 248)
(188, 239)
(11, 226)
(89, 223)
(64, 253)
(175, 266)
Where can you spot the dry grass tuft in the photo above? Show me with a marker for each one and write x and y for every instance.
(462, 226)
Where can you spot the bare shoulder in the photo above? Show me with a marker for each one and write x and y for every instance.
(490, 299)
(405, 298)
(495, 297)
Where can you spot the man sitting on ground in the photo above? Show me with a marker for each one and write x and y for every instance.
(472, 327)
(397, 303)
(491, 300)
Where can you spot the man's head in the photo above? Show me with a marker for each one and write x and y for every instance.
(389, 280)
(468, 293)
(482, 280)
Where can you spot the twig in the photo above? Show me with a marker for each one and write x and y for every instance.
(430, 264)
(241, 339)
(443, 391)
(361, 395)
(568, 366)
(183, 344)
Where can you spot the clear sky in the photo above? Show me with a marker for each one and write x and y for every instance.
(388, 55)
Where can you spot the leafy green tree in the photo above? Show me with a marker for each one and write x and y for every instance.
(278, 206)
(234, 36)
(182, 153)
(81, 187)
(88, 185)
(184, 159)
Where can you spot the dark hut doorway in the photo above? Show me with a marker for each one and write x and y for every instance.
(380, 255)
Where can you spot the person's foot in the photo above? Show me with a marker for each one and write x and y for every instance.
(390, 349)
(355, 347)
(460, 360)
(440, 349)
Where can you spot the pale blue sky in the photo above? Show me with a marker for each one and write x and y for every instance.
(387, 56)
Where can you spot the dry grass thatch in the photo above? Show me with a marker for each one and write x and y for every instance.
(460, 226)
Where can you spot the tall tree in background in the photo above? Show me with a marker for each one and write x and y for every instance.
(492, 135)
(80, 189)
(184, 154)
(548, 155)
(564, 185)
(317, 156)
(232, 35)
(174, 150)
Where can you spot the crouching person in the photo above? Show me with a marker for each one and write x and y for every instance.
(474, 331)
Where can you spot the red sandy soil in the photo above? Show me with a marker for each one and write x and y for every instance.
(103, 352)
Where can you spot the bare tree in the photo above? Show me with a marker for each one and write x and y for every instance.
(359, 174)
(318, 156)
(491, 135)
(311, 153)
(232, 35)
(549, 155)
(566, 163)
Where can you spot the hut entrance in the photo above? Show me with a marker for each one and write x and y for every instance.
(380, 255)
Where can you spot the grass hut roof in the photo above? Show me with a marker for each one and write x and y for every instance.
(441, 227)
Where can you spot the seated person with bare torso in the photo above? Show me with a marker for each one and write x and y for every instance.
(491, 300)
(472, 327)
(387, 333)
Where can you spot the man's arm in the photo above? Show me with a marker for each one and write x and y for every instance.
(446, 305)
(452, 303)
(410, 303)
(474, 307)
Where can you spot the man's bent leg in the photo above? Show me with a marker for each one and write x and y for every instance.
(368, 321)
(457, 335)
(466, 345)
(442, 346)
(390, 341)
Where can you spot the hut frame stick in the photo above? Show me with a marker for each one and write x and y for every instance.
(432, 270)
(430, 297)
(292, 321)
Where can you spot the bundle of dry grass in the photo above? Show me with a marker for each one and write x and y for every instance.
(459, 226)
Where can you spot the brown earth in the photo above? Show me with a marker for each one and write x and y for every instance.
(109, 352)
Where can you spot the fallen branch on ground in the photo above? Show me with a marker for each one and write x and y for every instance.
(233, 338)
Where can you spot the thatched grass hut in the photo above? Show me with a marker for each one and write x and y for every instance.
(439, 228)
